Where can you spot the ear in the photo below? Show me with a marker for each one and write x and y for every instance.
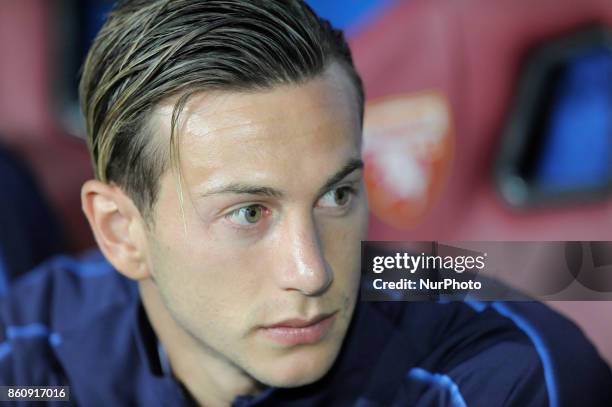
(117, 226)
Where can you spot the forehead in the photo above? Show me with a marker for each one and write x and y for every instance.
(289, 129)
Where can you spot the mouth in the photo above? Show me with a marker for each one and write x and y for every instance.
(298, 331)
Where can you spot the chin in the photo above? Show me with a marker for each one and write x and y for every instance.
(294, 379)
(297, 369)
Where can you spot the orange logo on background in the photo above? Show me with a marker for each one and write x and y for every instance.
(408, 149)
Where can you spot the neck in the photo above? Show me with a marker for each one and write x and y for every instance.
(210, 378)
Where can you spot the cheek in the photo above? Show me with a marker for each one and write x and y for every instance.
(206, 286)
(341, 240)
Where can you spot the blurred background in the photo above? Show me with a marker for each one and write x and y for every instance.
(485, 120)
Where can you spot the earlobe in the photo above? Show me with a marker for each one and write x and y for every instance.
(117, 227)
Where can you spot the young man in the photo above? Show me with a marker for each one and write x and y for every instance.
(229, 207)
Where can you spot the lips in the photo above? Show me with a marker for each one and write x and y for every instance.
(298, 331)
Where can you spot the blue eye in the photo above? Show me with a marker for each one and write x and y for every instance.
(247, 215)
(337, 197)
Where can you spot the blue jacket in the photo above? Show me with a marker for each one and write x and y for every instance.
(80, 323)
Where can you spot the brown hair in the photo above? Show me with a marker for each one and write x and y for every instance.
(149, 50)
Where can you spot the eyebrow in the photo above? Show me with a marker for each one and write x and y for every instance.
(353, 165)
(245, 189)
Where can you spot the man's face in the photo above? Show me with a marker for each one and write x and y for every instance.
(262, 263)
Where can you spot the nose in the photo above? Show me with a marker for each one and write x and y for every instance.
(305, 268)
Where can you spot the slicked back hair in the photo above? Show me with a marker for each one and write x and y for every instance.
(149, 50)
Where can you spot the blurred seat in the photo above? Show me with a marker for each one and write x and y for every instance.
(29, 231)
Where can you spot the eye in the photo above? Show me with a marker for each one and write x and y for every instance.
(337, 197)
(247, 215)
